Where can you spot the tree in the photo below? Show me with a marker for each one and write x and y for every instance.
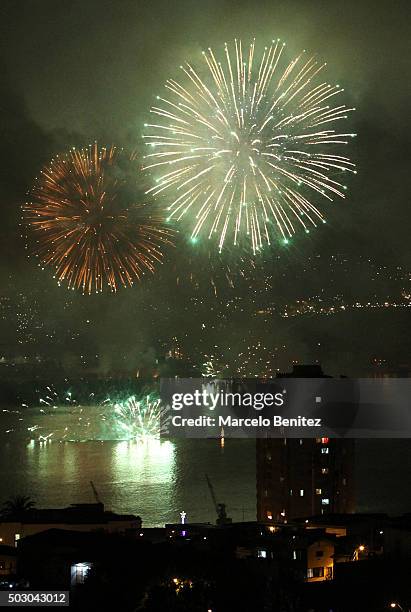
(17, 506)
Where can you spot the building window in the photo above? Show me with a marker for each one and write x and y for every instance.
(301, 442)
(16, 538)
(301, 492)
(262, 554)
(2, 565)
(79, 572)
(329, 573)
(291, 491)
(269, 515)
(325, 501)
(325, 440)
(324, 471)
(319, 553)
(344, 481)
(318, 491)
(315, 572)
(325, 450)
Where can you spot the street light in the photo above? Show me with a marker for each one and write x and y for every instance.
(395, 604)
(356, 554)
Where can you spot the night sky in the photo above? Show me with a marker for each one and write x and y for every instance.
(75, 72)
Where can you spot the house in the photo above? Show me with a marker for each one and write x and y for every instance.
(320, 560)
(77, 517)
(63, 559)
(8, 561)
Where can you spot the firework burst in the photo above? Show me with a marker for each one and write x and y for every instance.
(139, 418)
(60, 417)
(87, 225)
(241, 145)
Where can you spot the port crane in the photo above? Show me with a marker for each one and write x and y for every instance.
(220, 508)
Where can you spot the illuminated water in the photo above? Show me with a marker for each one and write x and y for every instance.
(154, 479)
(158, 480)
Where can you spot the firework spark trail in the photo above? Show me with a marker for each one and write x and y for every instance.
(126, 417)
(242, 143)
(85, 230)
(223, 270)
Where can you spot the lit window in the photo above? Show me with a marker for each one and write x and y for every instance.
(325, 501)
(324, 471)
(16, 538)
(329, 573)
(269, 515)
(291, 491)
(344, 481)
(315, 572)
(301, 492)
(325, 450)
(325, 440)
(301, 442)
(262, 554)
(318, 491)
(79, 572)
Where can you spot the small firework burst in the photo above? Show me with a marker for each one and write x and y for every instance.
(139, 419)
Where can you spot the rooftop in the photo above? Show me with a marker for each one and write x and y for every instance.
(74, 514)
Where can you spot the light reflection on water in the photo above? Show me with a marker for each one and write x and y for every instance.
(154, 460)
(157, 480)
(130, 476)
(146, 471)
(152, 478)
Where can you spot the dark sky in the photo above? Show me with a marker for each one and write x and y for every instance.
(75, 71)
